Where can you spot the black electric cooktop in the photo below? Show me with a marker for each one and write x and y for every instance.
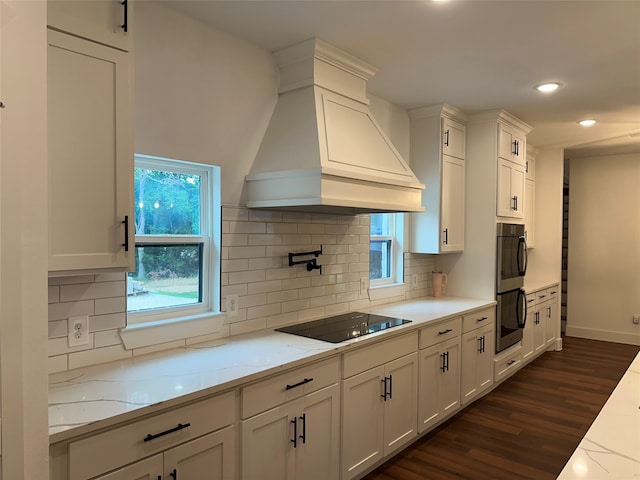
(343, 327)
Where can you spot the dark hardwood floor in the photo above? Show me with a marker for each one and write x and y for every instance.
(527, 427)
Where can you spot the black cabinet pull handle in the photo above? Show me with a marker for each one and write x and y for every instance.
(306, 380)
(174, 474)
(446, 331)
(548, 312)
(446, 236)
(295, 432)
(384, 395)
(179, 427)
(2, 105)
(303, 437)
(126, 233)
(480, 344)
(125, 25)
(159, 477)
(483, 345)
(446, 134)
(554, 292)
(482, 319)
(390, 387)
(511, 362)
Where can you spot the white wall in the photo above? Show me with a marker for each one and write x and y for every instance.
(23, 240)
(200, 94)
(604, 248)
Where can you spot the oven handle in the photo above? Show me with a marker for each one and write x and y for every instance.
(521, 310)
(522, 254)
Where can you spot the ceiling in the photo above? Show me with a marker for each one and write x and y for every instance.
(476, 55)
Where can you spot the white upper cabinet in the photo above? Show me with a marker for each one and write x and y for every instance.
(90, 156)
(512, 144)
(103, 21)
(511, 201)
(438, 159)
(530, 197)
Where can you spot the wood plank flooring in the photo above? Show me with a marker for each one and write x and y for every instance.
(526, 428)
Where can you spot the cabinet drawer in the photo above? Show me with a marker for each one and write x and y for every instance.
(505, 365)
(440, 332)
(532, 299)
(552, 292)
(365, 358)
(478, 319)
(541, 296)
(290, 385)
(122, 445)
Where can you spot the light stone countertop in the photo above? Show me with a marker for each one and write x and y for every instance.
(611, 448)
(87, 399)
(535, 285)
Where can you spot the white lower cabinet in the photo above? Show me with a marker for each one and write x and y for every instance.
(439, 382)
(542, 322)
(184, 442)
(291, 424)
(297, 440)
(213, 454)
(476, 374)
(378, 404)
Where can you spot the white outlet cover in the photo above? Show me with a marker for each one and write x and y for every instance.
(78, 331)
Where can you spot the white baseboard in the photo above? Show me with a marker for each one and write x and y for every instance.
(604, 335)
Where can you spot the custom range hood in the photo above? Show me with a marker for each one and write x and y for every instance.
(323, 151)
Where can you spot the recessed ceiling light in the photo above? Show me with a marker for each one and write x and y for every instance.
(548, 87)
(587, 123)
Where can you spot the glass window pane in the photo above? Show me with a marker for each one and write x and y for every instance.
(165, 276)
(380, 224)
(380, 259)
(167, 203)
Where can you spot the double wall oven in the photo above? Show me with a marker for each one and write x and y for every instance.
(511, 262)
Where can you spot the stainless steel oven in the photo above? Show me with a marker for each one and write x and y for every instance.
(511, 266)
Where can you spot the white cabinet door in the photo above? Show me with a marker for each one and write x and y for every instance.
(512, 144)
(477, 362)
(527, 334)
(90, 156)
(103, 21)
(510, 200)
(453, 188)
(298, 440)
(551, 320)
(266, 439)
(400, 404)
(362, 421)
(539, 329)
(213, 454)
(147, 469)
(438, 383)
(453, 138)
(317, 454)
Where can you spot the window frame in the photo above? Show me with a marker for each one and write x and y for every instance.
(209, 237)
(396, 236)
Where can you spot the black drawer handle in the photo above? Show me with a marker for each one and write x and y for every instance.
(180, 426)
(306, 380)
(446, 331)
(126, 233)
(554, 292)
(510, 363)
(481, 319)
(542, 296)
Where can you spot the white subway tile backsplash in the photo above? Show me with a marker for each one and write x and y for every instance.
(110, 305)
(84, 291)
(54, 293)
(254, 260)
(98, 355)
(107, 322)
(58, 328)
(106, 338)
(64, 310)
(250, 276)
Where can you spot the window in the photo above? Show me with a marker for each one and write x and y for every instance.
(385, 248)
(176, 254)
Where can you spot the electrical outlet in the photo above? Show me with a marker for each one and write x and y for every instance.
(636, 319)
(78, 331)
(364, 283)
(232, 305)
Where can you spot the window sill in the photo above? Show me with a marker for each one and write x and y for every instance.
(382, 292)
(162, 331)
